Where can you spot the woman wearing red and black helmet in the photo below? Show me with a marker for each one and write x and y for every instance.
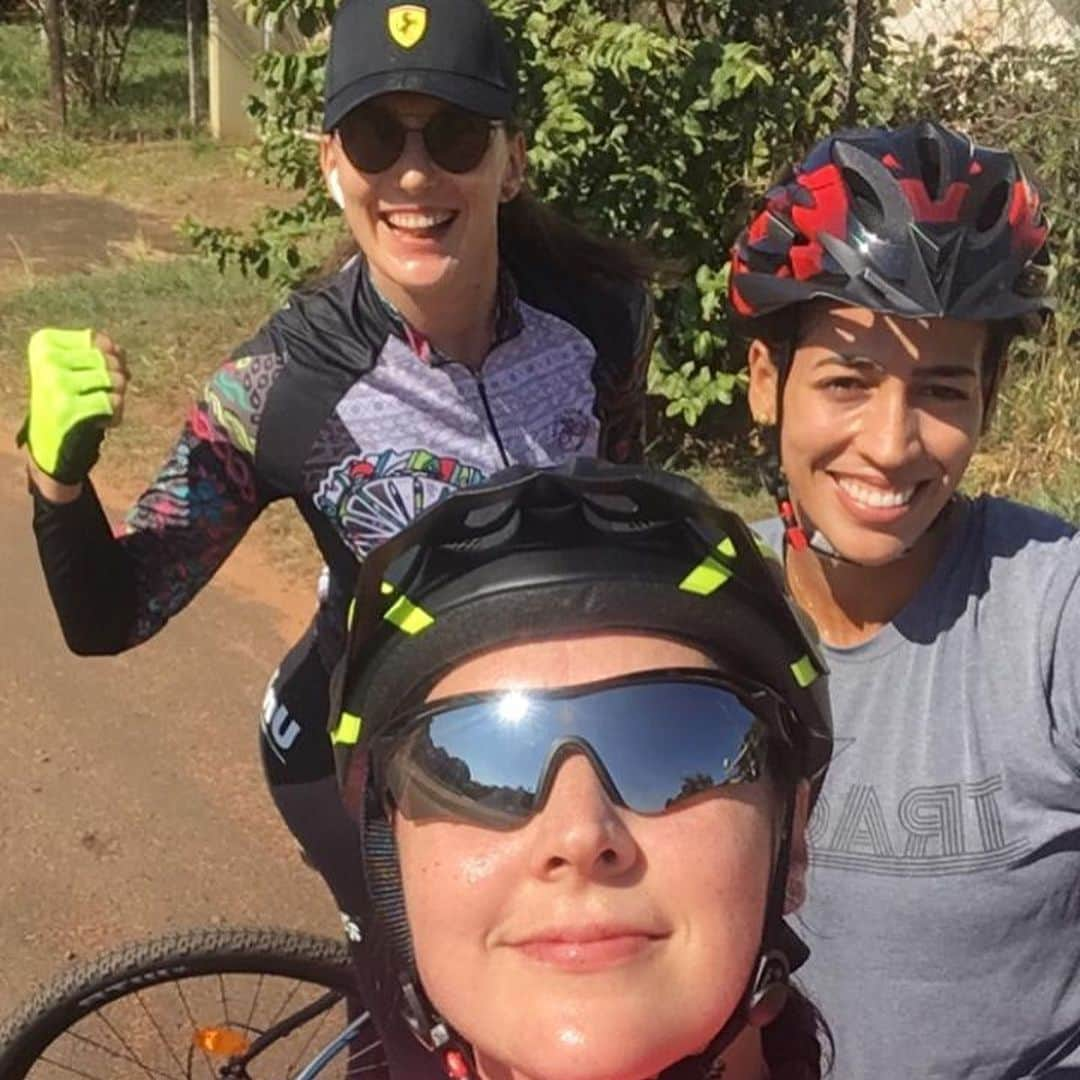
(881, 285)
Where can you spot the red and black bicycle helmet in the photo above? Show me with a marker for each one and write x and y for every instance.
(917, 221)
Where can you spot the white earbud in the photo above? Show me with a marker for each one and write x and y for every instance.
(334, 184)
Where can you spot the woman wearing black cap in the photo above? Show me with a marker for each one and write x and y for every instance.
(473, 330)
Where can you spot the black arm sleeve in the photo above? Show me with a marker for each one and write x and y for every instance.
(89, 577)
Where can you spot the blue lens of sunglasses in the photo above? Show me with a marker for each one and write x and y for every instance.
(490, 759)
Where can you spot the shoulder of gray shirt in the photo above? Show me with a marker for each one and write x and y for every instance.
(1028, 553)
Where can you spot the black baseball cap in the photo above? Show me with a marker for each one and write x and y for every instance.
(454, 50)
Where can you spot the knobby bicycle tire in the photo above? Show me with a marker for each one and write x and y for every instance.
(27, 1034)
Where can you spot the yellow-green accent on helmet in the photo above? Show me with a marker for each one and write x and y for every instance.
(710, 574)
(805, 672)
(347, 732)
(407, 616)
(706, 577)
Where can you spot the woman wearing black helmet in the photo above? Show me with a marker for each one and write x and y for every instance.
(579, 732)
(881, 284)
(474, 330)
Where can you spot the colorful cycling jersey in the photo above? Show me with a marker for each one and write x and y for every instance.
(340, 406)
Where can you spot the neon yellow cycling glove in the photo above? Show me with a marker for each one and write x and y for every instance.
(69, 403)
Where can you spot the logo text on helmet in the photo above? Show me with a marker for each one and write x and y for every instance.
(406, 24)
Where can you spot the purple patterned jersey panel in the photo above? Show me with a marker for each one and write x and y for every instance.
(409, 433)
(203, 499)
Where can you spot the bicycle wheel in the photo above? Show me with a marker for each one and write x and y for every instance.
(253, 1004)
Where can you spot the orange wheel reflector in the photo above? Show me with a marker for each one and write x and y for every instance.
(223, 1042)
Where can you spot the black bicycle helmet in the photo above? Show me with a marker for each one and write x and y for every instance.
(583, 547)
(917, 221)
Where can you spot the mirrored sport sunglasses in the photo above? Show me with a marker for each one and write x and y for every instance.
(373, 138)
(654, 739)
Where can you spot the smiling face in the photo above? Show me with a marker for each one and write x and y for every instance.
(880, 418)
(422, 228)
(591, 941)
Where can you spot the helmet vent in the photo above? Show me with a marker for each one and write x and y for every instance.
(492, 526)
(993, 206)
(929, 154)
(614, 513)
(865, 202)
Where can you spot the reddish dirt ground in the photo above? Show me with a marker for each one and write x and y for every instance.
(132, 797)
(56, 233)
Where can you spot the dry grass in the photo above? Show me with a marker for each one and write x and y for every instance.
(1033, 450)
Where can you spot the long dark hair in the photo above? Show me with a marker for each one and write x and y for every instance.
(798, 1044)
(533, 234)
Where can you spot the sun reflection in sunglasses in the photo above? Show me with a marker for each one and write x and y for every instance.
(513, 707)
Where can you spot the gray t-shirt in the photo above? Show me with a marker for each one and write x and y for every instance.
(944, 893)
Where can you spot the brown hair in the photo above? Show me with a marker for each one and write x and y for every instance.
(531, 233)
(797, 1044)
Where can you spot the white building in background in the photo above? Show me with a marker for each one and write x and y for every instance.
(232, 48)
(989, 23)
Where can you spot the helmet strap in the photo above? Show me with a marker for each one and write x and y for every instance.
(772, 471)
(433, 1032)
(429, 1028)
(770, 989)
(775, 481)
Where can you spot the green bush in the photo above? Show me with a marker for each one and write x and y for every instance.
(657, 128)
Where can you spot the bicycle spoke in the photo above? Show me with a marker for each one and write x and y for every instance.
(193, 1026)
(354, 1054)
(161, 1034)
(135, 1060)
(108, 1052)
(285, 1004)
(254, 1001)
(307, 1045)
(224, 1000)
(352, 1069)
(71, 1070)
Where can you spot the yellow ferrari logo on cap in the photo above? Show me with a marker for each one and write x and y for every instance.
(406, 23)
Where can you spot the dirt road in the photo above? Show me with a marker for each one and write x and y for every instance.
(131, 797)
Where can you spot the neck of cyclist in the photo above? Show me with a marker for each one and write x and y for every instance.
(744, 1059)
(457, 314)
(850, 602)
